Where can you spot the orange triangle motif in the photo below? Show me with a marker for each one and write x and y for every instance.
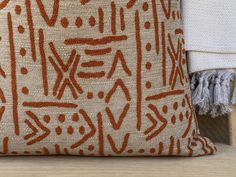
(49, 20)
(117, 125)
(113, 145)
(119, 83)
(119, 56)
(167, 10)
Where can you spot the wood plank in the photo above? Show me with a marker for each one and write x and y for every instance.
(220, 165)
(217, 129)
(232, 127)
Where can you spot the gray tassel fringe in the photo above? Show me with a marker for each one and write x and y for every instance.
(212, 92)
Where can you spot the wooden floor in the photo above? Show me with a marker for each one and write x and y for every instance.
(221, 165)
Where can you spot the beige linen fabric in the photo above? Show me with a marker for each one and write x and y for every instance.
(103, 78)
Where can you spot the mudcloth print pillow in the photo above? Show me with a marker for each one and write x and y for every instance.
(96, 78)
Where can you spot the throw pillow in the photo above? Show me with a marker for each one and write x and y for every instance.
(95, 78)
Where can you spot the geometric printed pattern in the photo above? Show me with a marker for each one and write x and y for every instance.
(95, 78)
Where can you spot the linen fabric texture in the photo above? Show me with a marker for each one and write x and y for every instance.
(95, 78)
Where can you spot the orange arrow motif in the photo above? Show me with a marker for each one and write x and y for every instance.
(159, 118)
(88, 135)
(35, 129)
(154, 124)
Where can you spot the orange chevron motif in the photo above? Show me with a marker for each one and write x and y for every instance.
(166, 8)
(160, 119)
(39, 131)
(119, 57)
(49, 20)
(117, 124)
(118, 83)
(124, 144)
(87, 135)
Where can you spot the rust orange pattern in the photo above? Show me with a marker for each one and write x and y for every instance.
(95, 78)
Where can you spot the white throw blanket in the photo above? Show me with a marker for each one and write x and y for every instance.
(210, 33)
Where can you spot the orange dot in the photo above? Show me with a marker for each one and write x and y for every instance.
(24, 70)
(26, 152)
(90, 95)
(21, 29)
(22, 52)
(152, 151)
(92, 21)
(78, 22)
(148, 65)
(130, 151)
(101, 95)
(58, 130)
(46, 118)
(145, 6)
(147, 25)
(25, 90)
(75, 117)
(90, 147)
(18, 9)
(173, 119)
(181, 117)
(82, 130)
(165, 109)
(175, 106)
(81, 152)
(70, 130)
(148, 84)
(62, 118)
(64, 22)
(141, 151)
(148, 47)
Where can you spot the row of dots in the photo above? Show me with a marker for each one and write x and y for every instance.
(78, 22)
(70, 130)
(21, 30)
(147, 26)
